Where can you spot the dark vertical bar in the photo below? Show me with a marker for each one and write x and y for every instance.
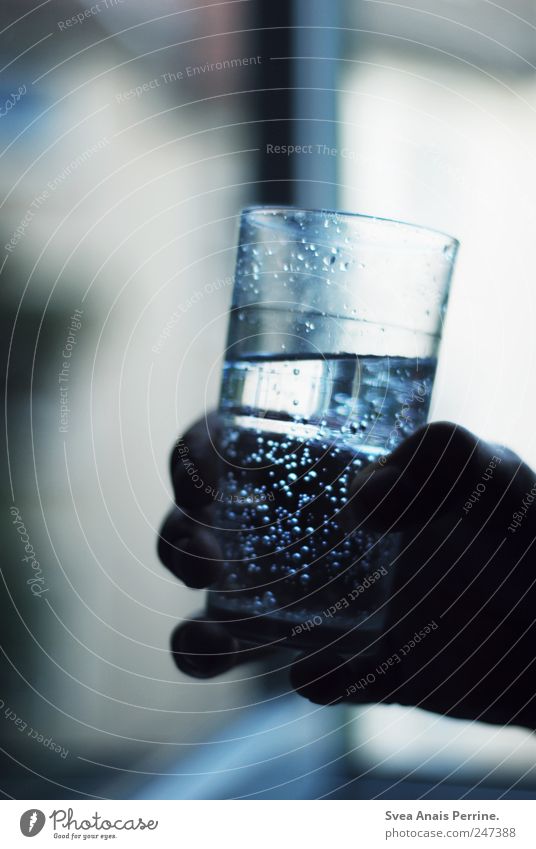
(274, 102)
(296, 104)
(316, 48)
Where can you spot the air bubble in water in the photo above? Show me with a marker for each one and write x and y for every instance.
(297, 522)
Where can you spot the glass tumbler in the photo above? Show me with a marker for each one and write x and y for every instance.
(331, 355)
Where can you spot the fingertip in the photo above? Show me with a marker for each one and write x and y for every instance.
(437, 442)
(191, 489)
(203, 649)
(195, 559)
(194, 463)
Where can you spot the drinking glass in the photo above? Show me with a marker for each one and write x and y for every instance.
(331, 355)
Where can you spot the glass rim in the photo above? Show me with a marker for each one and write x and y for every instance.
(352, 216)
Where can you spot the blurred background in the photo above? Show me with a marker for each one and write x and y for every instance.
(130, 136)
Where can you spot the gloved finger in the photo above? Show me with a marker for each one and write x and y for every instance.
(437, 468)
(204, 649)
(189, 550)
(195, 463)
